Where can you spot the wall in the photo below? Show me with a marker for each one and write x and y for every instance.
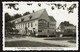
(45, 31)
(52, 25)
(21, 26)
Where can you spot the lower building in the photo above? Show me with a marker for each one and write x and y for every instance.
(67, 30)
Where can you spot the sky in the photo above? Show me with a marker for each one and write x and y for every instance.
(59, 15)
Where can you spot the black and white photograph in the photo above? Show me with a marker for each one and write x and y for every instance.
(40, 25)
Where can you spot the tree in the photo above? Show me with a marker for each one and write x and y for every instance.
(15, 31)
(65, 23)
(26, 13)
(39, 4)
(12, 5)
(10, 27)
(71, 8)
(8, 24)
(29, 4)
(52, 7)
(7, 17)
(17, 16)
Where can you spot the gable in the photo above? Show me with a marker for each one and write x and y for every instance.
(44, 16)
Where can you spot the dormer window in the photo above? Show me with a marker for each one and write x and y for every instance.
(22, 19)
(30, 17)
(13, 22)
(16, 21)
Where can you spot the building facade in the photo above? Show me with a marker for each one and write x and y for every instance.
(37, 23)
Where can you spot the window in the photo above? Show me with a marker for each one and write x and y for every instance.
(33, 28)
(18, 26)
(48, 24)
(48, 31)
(31, 24)
(39, 30)
(43, 23)
(35, 24)
(21, 25)
(28, 24)
(22, 19)
(13, 22)
(30, 17)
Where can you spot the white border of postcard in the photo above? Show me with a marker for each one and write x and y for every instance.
(35, 48)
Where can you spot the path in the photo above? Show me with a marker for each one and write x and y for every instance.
(36, 39)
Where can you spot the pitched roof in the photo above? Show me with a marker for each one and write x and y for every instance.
(51, 18)
(70, 27)
(34, 15)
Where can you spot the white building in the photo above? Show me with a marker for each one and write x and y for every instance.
(37, 23)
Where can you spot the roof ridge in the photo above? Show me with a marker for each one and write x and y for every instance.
(41, 9)
(42, 12)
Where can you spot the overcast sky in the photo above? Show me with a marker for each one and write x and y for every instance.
(60, 15)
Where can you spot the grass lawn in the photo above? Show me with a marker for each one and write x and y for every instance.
(29, 44)
(72, 41)
(61, 38)
(69, 39)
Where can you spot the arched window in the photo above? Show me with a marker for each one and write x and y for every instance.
(30, 17)
(22, 19)
(43, 23)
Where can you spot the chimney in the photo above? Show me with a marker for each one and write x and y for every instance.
(33, 11)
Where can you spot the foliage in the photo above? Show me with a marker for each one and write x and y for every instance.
(70, 9)
(7, 17)
(17, 16)
(66, 23)
(39, 4)
(8, 25)
(26, 13)
(12, 5)
(52, 7)
(29, 4)
(15, 31)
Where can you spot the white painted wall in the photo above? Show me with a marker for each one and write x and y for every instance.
(21, 26)
(35, 25)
